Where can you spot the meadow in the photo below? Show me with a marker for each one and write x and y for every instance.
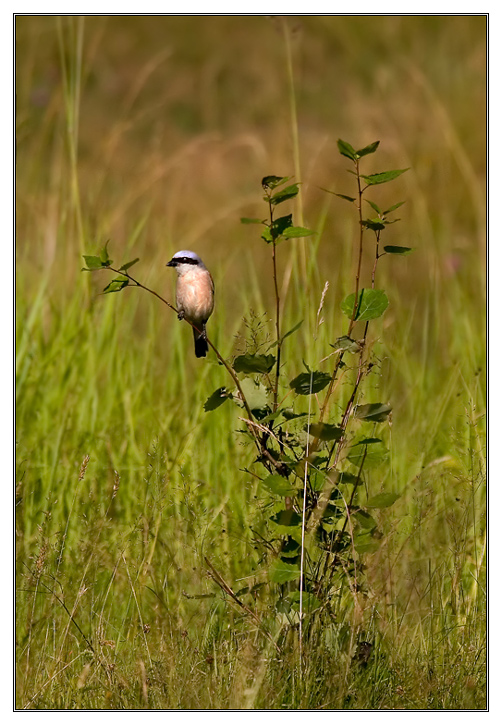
(143, 542)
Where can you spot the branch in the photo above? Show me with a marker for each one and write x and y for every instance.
(227, 367)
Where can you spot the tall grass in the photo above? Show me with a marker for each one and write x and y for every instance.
(129, 130)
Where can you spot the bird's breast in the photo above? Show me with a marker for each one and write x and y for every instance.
(195, 294)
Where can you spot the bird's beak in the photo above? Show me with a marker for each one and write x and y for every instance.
(172, 263)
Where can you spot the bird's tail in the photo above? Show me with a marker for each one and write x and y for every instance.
(201, 346)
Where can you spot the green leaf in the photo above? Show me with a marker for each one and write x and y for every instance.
(324, 431)
(241, 592)
(391, 249)
(128, 265)
(372, 304)
(267, 235)
(286, 517)
(316, 478)
(376, 412)
(364, 519)
(271, 182)
(365, 543)
(342, 196)
(279, 226)
(309, 383)
(283, 605)
(253, 363)
(332, 512)
(383, 176)
(309, 602)
(249, 220)
(374, 206)
(278, 485)
(270, 417)
(92, 263)
(289, 192)
(256, 394)
(316, 460)
(394, 207)
(347, 344)
(347, 150)
(382, 500)
(289, 414)
(290, 332)
(296, 232)
(370, 149)
(281, 572)
(290, 549)
(104, 255)
(370, 450)
(375, 225)
(345, 477)
(116, 285)
(216, 399)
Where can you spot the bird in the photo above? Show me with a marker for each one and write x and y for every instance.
(194, 295)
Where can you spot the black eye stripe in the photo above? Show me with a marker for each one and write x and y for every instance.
(185, 260)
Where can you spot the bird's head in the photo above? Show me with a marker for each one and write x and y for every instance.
(185, 260)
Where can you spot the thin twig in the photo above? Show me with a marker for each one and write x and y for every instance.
(360, 192)
(227, 367)
(277, 325)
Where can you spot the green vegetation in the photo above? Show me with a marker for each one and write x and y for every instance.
(158, 547)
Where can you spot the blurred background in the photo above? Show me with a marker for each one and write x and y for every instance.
(175, 120)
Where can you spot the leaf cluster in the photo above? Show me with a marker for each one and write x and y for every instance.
(276, 230)
(103, 261)
(311, 467)
(315, 467)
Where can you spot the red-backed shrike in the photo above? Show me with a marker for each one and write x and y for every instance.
(194, 295)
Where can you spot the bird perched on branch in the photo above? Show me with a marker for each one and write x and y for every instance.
(194, 295)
